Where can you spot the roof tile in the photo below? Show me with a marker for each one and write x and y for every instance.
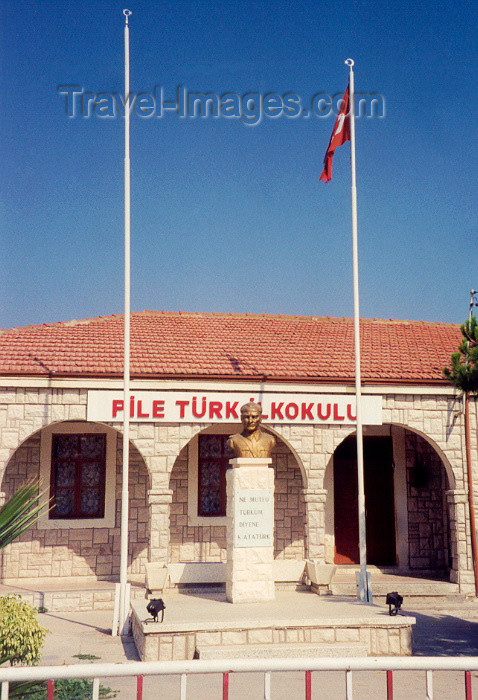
(275, 347)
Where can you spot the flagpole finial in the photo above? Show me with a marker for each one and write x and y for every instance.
(127, 14)
(349, 62)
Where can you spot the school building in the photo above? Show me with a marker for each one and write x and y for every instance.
(61, 411)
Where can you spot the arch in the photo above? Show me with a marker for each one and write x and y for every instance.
(339, 437)
(203, 538)
(45, 426)
(88, 548)
(228, 429)
(416, 543)
(296, 455)
(37, 433)
(231, 428)
(444, 459)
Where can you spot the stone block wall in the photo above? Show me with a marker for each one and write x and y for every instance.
(208, 542)
(427, 514)
(289, 505)
(24, 411)
(79, 552)
(200, 543)
(138, 519)
(387, 637)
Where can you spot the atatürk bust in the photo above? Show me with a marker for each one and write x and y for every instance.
(252, 442)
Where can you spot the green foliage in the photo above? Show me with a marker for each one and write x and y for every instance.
(22, 690)
(20, 512)
(65, 689)
(86, 657)
(21, 635)
(464, 363)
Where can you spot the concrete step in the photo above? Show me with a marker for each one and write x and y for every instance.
(287, 651)
(409, 589)
(459, 614)
(455, 606)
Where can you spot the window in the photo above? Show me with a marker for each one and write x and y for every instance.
(54, 472)
(78, 469)
(213, 460)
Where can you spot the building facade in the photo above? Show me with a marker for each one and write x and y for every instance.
(61, 413)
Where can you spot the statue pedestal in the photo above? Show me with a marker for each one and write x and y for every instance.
(250, 530)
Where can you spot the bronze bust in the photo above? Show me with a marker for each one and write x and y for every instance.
(252, 442)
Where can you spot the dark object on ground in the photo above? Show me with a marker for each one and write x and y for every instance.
(396, 600)
(154, 607)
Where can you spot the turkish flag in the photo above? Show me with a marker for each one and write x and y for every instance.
(340, 135)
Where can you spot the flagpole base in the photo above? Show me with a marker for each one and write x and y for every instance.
(364, 586)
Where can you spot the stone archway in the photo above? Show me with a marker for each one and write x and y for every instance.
(195, 537)
(87, 548)
(421, 512)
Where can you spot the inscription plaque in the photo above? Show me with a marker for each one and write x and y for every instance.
(254, 518)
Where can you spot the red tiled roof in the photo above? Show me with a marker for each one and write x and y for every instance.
(243, 346)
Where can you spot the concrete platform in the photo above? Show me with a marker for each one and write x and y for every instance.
(194, 620)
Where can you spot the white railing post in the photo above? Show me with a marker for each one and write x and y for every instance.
(96, 689)
(348, 685)
(267, 685)
(429, 685)
(184, 680)
(5, 693)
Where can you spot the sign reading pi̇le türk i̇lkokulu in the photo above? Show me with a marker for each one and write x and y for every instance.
(224, 407)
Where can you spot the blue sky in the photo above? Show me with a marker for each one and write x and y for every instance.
(227, 216)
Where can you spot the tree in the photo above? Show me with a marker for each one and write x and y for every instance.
(464, 375)
(21, 636)
(464, 363)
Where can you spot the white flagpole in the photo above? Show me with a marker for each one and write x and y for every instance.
(364, 593)
(124, 602)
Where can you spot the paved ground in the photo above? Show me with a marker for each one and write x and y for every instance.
(206, 607)
(437, 633)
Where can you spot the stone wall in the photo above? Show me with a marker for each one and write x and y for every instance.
(382, 636)
(200, 543)
(427, 515)
(24, 411)
(289, 505)
(208, 543)
(79, 552)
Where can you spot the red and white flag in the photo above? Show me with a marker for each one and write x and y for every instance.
(340, 134)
